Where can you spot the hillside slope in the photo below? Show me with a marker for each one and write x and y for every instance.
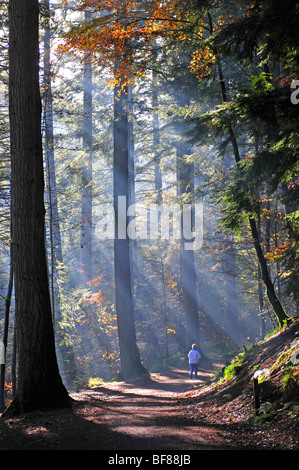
(230, 400)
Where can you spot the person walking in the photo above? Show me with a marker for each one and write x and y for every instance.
(194, 357)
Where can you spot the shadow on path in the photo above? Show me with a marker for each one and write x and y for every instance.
(140, 415)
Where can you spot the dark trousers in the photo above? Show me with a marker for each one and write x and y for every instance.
(193, 370)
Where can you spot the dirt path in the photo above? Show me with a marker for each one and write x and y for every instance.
(144, 415)
(148, 415)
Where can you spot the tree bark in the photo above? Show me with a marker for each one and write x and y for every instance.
(156, 140)
(131, 365)
(86, 226)
(271, 294)
(65, 353)
(39, 383)
(187, 262)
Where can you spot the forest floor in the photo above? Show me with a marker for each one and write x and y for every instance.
(167, 411)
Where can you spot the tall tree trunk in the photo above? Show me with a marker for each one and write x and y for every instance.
(261, 288)
(54, 225)
(156, 139)
(132, 198)
(129, 355)
(270, 291)
(86, 226)
(159, 196)
(39, 383)
(64, 352)
(188, 273)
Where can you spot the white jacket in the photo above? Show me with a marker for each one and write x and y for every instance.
(194, 356)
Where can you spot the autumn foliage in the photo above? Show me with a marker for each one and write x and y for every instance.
(121, 36)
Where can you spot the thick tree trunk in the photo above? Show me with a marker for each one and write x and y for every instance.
(129, 355)
(39, 383)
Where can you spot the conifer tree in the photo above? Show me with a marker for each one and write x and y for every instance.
(39, 383)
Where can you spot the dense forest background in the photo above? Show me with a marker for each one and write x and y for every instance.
(207, 94)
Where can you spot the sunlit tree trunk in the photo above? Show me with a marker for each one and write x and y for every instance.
(132, 198)
(39, 383)
(188, 285)
(156, 139)
(188, 273)
(261, 289)
(64, 352)
(159, 198)
(86, 225)
(56, 250)
(129, 355)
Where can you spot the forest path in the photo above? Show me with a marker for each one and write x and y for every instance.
(144, 414)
